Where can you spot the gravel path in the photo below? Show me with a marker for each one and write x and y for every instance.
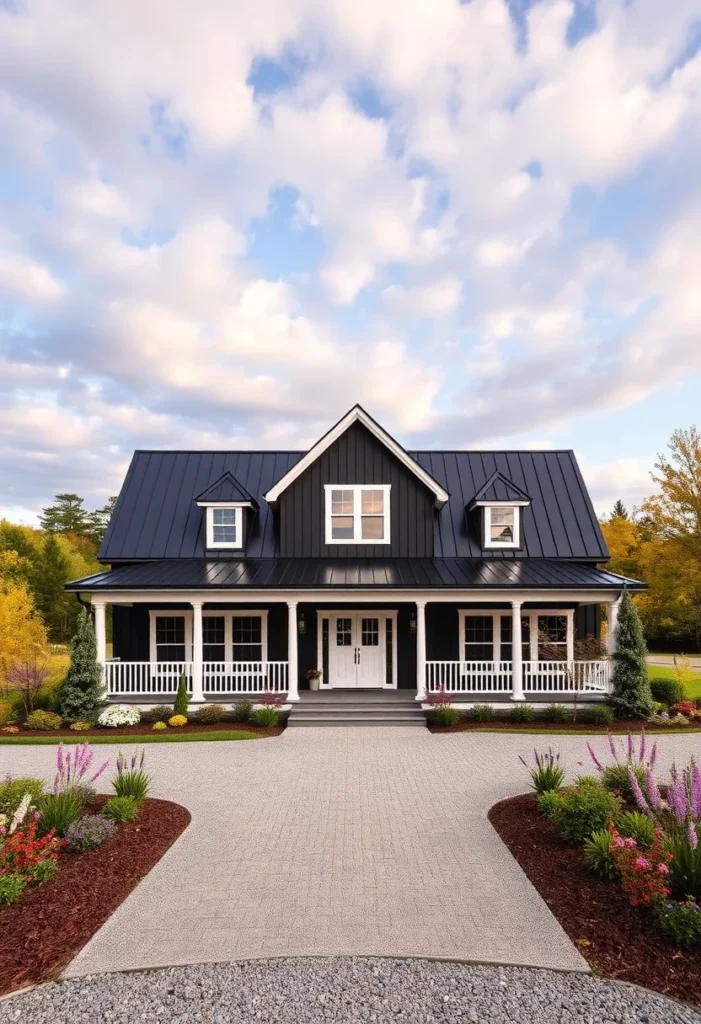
(344, 990)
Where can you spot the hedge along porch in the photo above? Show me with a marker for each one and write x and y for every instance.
(414, 642)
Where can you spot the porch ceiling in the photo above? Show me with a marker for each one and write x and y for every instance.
(347, 573)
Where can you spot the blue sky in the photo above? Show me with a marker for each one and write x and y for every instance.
(222, 227)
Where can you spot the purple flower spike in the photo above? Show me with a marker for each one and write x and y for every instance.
(630, 746)
(677, 800)
(653, 755)
(637, 792)
(693, 837)
(653, 793)
(641, 755)
(612, 747)
(695, 791)
(597, 763)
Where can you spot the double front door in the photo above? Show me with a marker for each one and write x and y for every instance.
(361, 649)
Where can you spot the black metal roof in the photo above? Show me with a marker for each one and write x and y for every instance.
(500, 488)
(226, 488)
(322, 573)
(156, 515)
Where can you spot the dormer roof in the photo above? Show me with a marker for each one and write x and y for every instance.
(225, 491)
(498, 488)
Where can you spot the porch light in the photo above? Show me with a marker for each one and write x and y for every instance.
(412, 623)
(301, 624)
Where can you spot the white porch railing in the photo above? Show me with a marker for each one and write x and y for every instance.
(127, 679)
(494, 677)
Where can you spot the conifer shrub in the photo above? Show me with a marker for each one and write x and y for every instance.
(81, 692)
(181, 698)
(631, 697)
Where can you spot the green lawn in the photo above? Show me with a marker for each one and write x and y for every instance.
(693, 689)
(156, 737)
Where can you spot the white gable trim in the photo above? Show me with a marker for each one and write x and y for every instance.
(356, 415)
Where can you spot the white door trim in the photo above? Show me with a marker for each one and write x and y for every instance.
(386, 613)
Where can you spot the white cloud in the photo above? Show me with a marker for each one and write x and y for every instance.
(26, 279)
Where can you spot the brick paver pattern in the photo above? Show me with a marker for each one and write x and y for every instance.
(335, 841)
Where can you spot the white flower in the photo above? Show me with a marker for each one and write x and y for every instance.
(119, 714)
(20, 814)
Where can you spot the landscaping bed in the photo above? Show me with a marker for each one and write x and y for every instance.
(144, 731)
(42, 932)
(617, 939)
(542, 726)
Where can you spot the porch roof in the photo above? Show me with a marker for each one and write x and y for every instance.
(348, 573)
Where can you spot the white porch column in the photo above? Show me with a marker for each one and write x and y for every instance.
(100, 634)
(292, 660)
(197, 681)
(570, 635)
(420, 650)
(613, 608)
(516, 652)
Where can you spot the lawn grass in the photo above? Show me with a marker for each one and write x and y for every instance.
(156, 737)
(692, 689)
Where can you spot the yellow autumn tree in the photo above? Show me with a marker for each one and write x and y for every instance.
(22, 633)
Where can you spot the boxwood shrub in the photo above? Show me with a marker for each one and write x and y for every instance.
(667, 691)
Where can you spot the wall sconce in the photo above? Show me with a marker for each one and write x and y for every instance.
(412, 623)
(301, 624)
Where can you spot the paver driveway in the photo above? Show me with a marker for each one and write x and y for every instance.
(355, 841)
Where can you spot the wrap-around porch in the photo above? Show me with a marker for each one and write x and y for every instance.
(228, 649)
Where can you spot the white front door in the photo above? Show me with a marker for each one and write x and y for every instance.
(358, 645)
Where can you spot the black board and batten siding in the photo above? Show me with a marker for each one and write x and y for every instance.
(357, 457)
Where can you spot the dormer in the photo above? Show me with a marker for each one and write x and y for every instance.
(499, 504)
(228, 508)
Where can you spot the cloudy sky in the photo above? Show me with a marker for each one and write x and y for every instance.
(223, 223)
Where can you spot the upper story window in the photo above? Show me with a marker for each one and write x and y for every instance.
(224, 527)
(357, 514)
(502, 526)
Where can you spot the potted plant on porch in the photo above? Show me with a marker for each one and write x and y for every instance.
(314, 675)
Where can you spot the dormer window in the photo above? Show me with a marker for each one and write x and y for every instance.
(224, 526)
(502, 526)
(357, 514)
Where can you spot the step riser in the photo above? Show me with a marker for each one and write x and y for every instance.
(317, 723)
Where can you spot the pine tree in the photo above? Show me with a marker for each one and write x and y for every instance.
(57, 608)
(67, 515)
(98, 521)
(181, 698)
(631, 695)
(81, 692)
(619, 510)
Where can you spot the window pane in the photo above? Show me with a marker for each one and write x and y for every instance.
(224, 534)
(373, 502)
(370, 633)
(343, 633)
(248, 652)
(170, 638)
(247, 629)
(479, 634)
(342, 503)
(342, 527)
(224, 516)
(213, 630)
(502, 517)
(373, 527)
(553, 628)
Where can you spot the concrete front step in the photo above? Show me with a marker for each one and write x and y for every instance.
(329, 718)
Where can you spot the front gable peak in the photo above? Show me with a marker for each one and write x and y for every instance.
(358, 415)
(226, 490)
(499, 488)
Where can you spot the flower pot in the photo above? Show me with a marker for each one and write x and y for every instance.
(314, 683)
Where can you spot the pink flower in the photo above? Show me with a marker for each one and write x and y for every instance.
(662, 869)
(629, 843)
(618, 842)
(642, 863)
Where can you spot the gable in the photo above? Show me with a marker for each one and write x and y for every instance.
(226, 489)
(499, 488)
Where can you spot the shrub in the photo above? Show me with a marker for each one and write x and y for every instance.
(522, 713)
(269, 698)
(177, 721)
(5, 712)
(121, 808)
(558, 713)
(636, 825)
(548, 802)
(88, 833)
(446, 716)
(159, 726)
(667, 691)
(181, 698)
(598, 855)
(80, 694)
(9, 730)
(644, 873)
(547, 774)
(242, 710)
(631, 687)
(439, 697)
(11, 887)
(616, 778)
(131, 780)
(585, 809)
(211, 713)
(86, 794)
(119, 715)
(483, 713)
(42, 872)
(58, 811)
(159, 713)
(681, 921)
(80, 726)
(266, 718)
(598, 714)
(685, 867)
(12, 791)
(43, 720)
(684, 707)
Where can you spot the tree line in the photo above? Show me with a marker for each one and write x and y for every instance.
(659, 542)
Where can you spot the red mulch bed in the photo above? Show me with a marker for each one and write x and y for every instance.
(618, 940)
(623, 727)
(50, 923)
(147, 727)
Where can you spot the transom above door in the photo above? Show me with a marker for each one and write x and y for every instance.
(358, 649)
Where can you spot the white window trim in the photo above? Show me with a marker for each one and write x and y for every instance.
(487, 541)
(357, 489)
(532, 614)
(228, 614)
(238, 523)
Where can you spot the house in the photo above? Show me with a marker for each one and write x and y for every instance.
(389, 571)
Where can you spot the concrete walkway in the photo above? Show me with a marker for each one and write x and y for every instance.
(335, 841)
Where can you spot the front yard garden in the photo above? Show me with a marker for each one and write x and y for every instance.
(69, 857)
(616, 856)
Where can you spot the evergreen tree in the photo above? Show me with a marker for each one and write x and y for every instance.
(98, 521)
(57, 608)
(66, 515)
(631, 687)
(181, 698)
(619, 510)
(81, 693)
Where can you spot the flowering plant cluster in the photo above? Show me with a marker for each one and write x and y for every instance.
(547, 775)
(119, 714)
(88, 833)
(72, 768)
(24, 857)
(644, 873)
(438, 698)
(270, 699)
(681, 921)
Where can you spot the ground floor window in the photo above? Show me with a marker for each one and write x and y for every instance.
(227, 636)
(488, 635)
(170, 638)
